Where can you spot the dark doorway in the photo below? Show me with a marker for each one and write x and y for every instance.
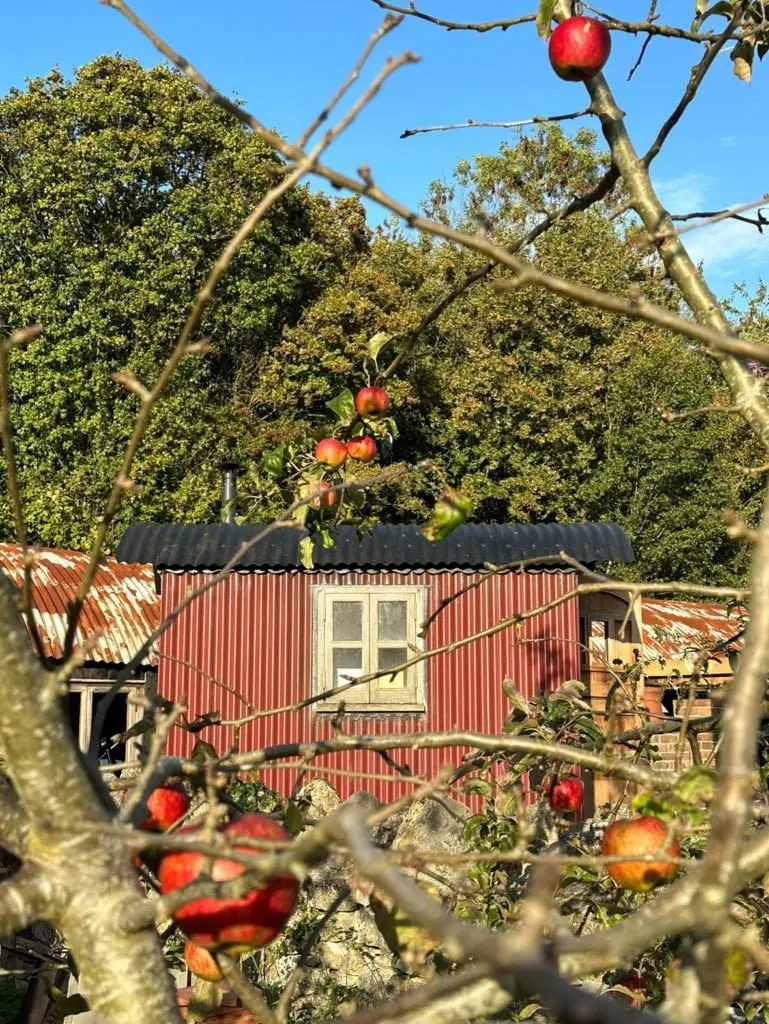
(115, 724)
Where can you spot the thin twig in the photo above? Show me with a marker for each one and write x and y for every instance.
(469, 123)
(714, 217)
(20, 337)
(164, 723)
(249, 996)
(387, 26)
(695, 80)
(451, 26)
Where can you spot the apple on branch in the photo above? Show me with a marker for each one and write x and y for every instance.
(372, 402)
(330, 452)
(579, 48)
(641, 837)
(166, 804)
(566, 795)
(231, 925)
(362, 448)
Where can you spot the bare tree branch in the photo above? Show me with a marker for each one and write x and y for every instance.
(451, 26)
(20, 337)
(465, 941)
(244, 990)
(469, 123)
(695, 80)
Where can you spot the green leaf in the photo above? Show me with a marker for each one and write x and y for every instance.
(306, 549)
(274, 462)
(294, 819)
(326, 537)
(202, 752)
(384, 917)
(479, 786)
(299, 515)
(449, 513)
(68, 1006)
(648, 805)
(528, 1011)
(343, 406)
(356, 496)
(378, 342)
(696, 786)
(545, 17)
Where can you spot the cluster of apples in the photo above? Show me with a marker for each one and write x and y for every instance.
(233, 926)
(332, 453)
(640, 837)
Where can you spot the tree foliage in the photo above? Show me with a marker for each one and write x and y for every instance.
(117, 193)
(120, 189)
(535, 409)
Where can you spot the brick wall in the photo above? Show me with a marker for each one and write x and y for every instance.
(667, 743)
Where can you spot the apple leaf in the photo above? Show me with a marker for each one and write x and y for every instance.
(326, 537)
(306, 549)
(481, 787)
(545, 17)
(274, 461)
(203, 751)
(343, 406)
(299, 515)
(68, 1006)
(742, 60)
(696, 786)
(648, 805)
(378, 342)
(450, 511)
(293, 819)
(528, 1011)
(356, 496)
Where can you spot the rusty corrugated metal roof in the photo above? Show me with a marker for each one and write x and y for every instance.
(122, 603)
(674, 632)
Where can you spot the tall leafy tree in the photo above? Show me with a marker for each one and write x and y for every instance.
(537, 409)
(117, 192)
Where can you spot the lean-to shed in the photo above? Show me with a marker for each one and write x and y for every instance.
(275, 633)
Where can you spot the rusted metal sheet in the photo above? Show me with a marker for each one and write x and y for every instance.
(674, 632)
(253, 635)
(122, 602)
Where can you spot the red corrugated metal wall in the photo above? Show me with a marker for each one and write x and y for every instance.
(254, 633)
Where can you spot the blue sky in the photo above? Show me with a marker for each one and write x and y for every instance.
(286, 59)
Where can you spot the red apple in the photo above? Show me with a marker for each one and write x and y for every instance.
(566, 795)
(579, 48)
(372, 402)
(166, 805)
(201, 963)
(330, 452)
(325, 497)
(232, 925)
(640, 837)
(635, 982)
(362, 448)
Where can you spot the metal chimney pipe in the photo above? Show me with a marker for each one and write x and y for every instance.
(229, 491)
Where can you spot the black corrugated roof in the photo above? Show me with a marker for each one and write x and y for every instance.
(171, 546)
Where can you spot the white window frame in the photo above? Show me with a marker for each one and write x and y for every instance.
(134, 710)
(323, 596)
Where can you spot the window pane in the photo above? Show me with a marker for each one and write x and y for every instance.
(389, 657)
(347, 661)
(391, 620)
(347, 620)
